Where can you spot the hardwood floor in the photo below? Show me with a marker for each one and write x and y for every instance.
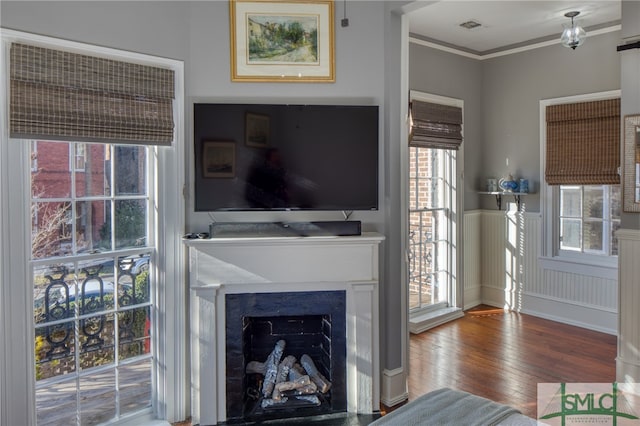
(504, 355)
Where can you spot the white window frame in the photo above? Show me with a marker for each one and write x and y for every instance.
(606, 218)
(455, 199)
(17, 381)
(551, 256)
(34, 159)
(74, 157)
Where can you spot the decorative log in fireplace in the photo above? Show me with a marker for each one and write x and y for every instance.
(286, 383)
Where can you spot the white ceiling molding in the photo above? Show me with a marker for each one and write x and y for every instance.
(506, 52)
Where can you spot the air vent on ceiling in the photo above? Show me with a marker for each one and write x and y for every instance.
(471, 24)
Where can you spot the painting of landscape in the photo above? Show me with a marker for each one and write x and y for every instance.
(282, 39)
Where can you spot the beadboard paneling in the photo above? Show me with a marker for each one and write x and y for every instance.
(628, 361)
(472, 260)
(510, 274)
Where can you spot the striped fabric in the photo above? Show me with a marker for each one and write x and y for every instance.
(583, 143)
(435, 126)
(68, 96)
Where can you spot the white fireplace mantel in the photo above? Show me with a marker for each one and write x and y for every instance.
(221, 266)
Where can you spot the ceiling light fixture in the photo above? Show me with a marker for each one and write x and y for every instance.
(572, 36)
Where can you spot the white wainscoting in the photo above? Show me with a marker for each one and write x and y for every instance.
(501, 261)
(628, 360)
(472, 259)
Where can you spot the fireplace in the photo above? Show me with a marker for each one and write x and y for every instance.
(311, 323)
(319, 294)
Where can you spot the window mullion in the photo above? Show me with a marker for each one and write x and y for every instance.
(73, 206)
(582, 219)
(609, 223)
(112, 191)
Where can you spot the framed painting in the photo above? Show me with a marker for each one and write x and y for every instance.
(218, 159)
(256, 130)
(288, 41)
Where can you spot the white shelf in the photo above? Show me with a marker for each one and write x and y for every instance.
(499, 194)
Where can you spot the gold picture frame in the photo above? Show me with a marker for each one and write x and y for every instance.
(218, 159)
(256, 130)
(260, 53)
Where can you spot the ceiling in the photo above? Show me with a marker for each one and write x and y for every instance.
(506, 24)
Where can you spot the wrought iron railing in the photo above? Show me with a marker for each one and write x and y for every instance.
(424, 229)
(84, 312)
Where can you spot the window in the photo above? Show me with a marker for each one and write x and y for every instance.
(92, 310)
(580, 190)
(589, 217)
(435, 147)
(87, 333)
(77, 152)
(430, 246)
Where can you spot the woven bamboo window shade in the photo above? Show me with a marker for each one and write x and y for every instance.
(68, 96)
(583, 143)
(435, 126)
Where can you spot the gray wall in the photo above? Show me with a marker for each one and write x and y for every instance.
(630, 60)
(513, 86)
(436, 72)
(155, 28)
(502, 95)
(360, 78)
(197, 33)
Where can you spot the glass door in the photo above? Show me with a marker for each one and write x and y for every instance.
(431, 228)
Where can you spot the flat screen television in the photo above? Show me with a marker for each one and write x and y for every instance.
(285, 157)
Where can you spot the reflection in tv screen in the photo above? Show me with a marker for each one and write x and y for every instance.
(285, 157)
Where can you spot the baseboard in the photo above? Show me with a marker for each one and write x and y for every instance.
(394, 387)
(627, 371)
(493, 296)
(420, 323)
(472, 297)
(584, 316)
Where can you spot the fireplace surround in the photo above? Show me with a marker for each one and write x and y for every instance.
(289, 269)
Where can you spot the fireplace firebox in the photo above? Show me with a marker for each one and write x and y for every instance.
(310, 323)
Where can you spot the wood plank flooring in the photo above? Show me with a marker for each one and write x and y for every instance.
(504, 355)
(501, 356)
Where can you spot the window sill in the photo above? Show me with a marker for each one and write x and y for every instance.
(419, 322)
(585, 267)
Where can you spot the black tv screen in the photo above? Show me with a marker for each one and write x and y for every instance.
(285, 157)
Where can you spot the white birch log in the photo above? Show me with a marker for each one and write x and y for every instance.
(307, 363)
(296, 372)
(271, 369)
(287, 386)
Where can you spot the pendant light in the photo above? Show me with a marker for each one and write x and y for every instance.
(574, 35)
